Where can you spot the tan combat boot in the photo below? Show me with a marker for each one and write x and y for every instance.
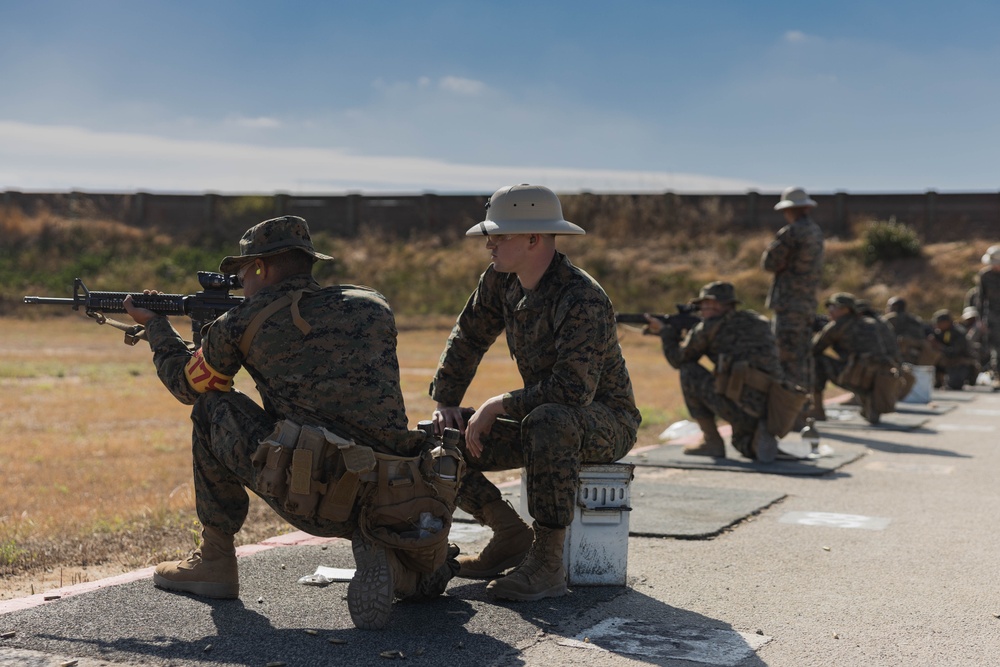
(210, 571)
(371, 589)
(411, 586)
(507, 548)
(712, 445)
(541, 574)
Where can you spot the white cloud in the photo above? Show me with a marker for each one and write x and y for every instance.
(63, 158)
(795, 36)
(462, 86)
(260, 122)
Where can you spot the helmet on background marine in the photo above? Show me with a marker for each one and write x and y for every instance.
(717, 291)
(524, 209)
(992, 256)
(794, 197)
(844, 299)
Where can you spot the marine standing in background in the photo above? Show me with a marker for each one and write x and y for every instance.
(576, 405)
(795, 257)
(988, 285)
(739, 343)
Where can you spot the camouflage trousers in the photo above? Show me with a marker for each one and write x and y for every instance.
(703, 402)
(551, 444)
(793, 333)
(993, 343)
(227, 430)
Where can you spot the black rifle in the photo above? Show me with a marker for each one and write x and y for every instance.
(683, 320)
(203, 307)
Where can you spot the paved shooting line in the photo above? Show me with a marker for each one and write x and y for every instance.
(296, 538)
(980, 428)
(920, 468)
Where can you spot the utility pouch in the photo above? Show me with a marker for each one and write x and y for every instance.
(737, 376)
(885, 389)
(858, 374)
(305, 475)
(353, 463)
(402, 512)
(408, 508)
(722, 367)
(273, 457)
(784, 404)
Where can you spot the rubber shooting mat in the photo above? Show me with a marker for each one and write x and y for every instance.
(664, 509)
(932, 408)
(829, 459)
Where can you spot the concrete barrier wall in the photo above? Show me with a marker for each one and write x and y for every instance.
(935, 216)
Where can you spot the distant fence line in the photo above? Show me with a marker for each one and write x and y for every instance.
(935, 216)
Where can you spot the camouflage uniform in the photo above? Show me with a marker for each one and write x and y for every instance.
(795, 257)
(957, 365)
(911, 335)
(343, 375)
(577, 404)
(848, 335)
(738, 335)
(988, 282)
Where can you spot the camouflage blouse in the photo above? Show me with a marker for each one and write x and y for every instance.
(562, 335)
(795, 257)
(343, 372)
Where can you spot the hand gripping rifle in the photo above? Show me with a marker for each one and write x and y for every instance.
(203, 307)
(684, 319)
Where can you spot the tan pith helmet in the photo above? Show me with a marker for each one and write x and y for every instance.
(970, 313)
(524, 209)
(794, 197)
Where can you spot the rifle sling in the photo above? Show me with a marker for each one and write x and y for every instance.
(289, 299)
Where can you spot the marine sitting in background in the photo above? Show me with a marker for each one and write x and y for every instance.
(956, 365)
(859, 358)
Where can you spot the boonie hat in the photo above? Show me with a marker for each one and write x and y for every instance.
(794, 197)
(842, 299)
(992, 255)
(277, 235)
(524, 209)
(942, 314)
(970, 313)
(717, 291)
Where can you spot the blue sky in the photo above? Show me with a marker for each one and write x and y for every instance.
(379, 96)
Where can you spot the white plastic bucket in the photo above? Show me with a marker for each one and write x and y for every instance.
(921, 392)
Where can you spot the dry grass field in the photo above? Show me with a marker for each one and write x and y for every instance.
(96, 453)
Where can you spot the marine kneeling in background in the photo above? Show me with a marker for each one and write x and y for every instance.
(860, 361)
(956, 363)
(742, 346)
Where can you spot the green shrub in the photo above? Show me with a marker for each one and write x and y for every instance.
(887, 240)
